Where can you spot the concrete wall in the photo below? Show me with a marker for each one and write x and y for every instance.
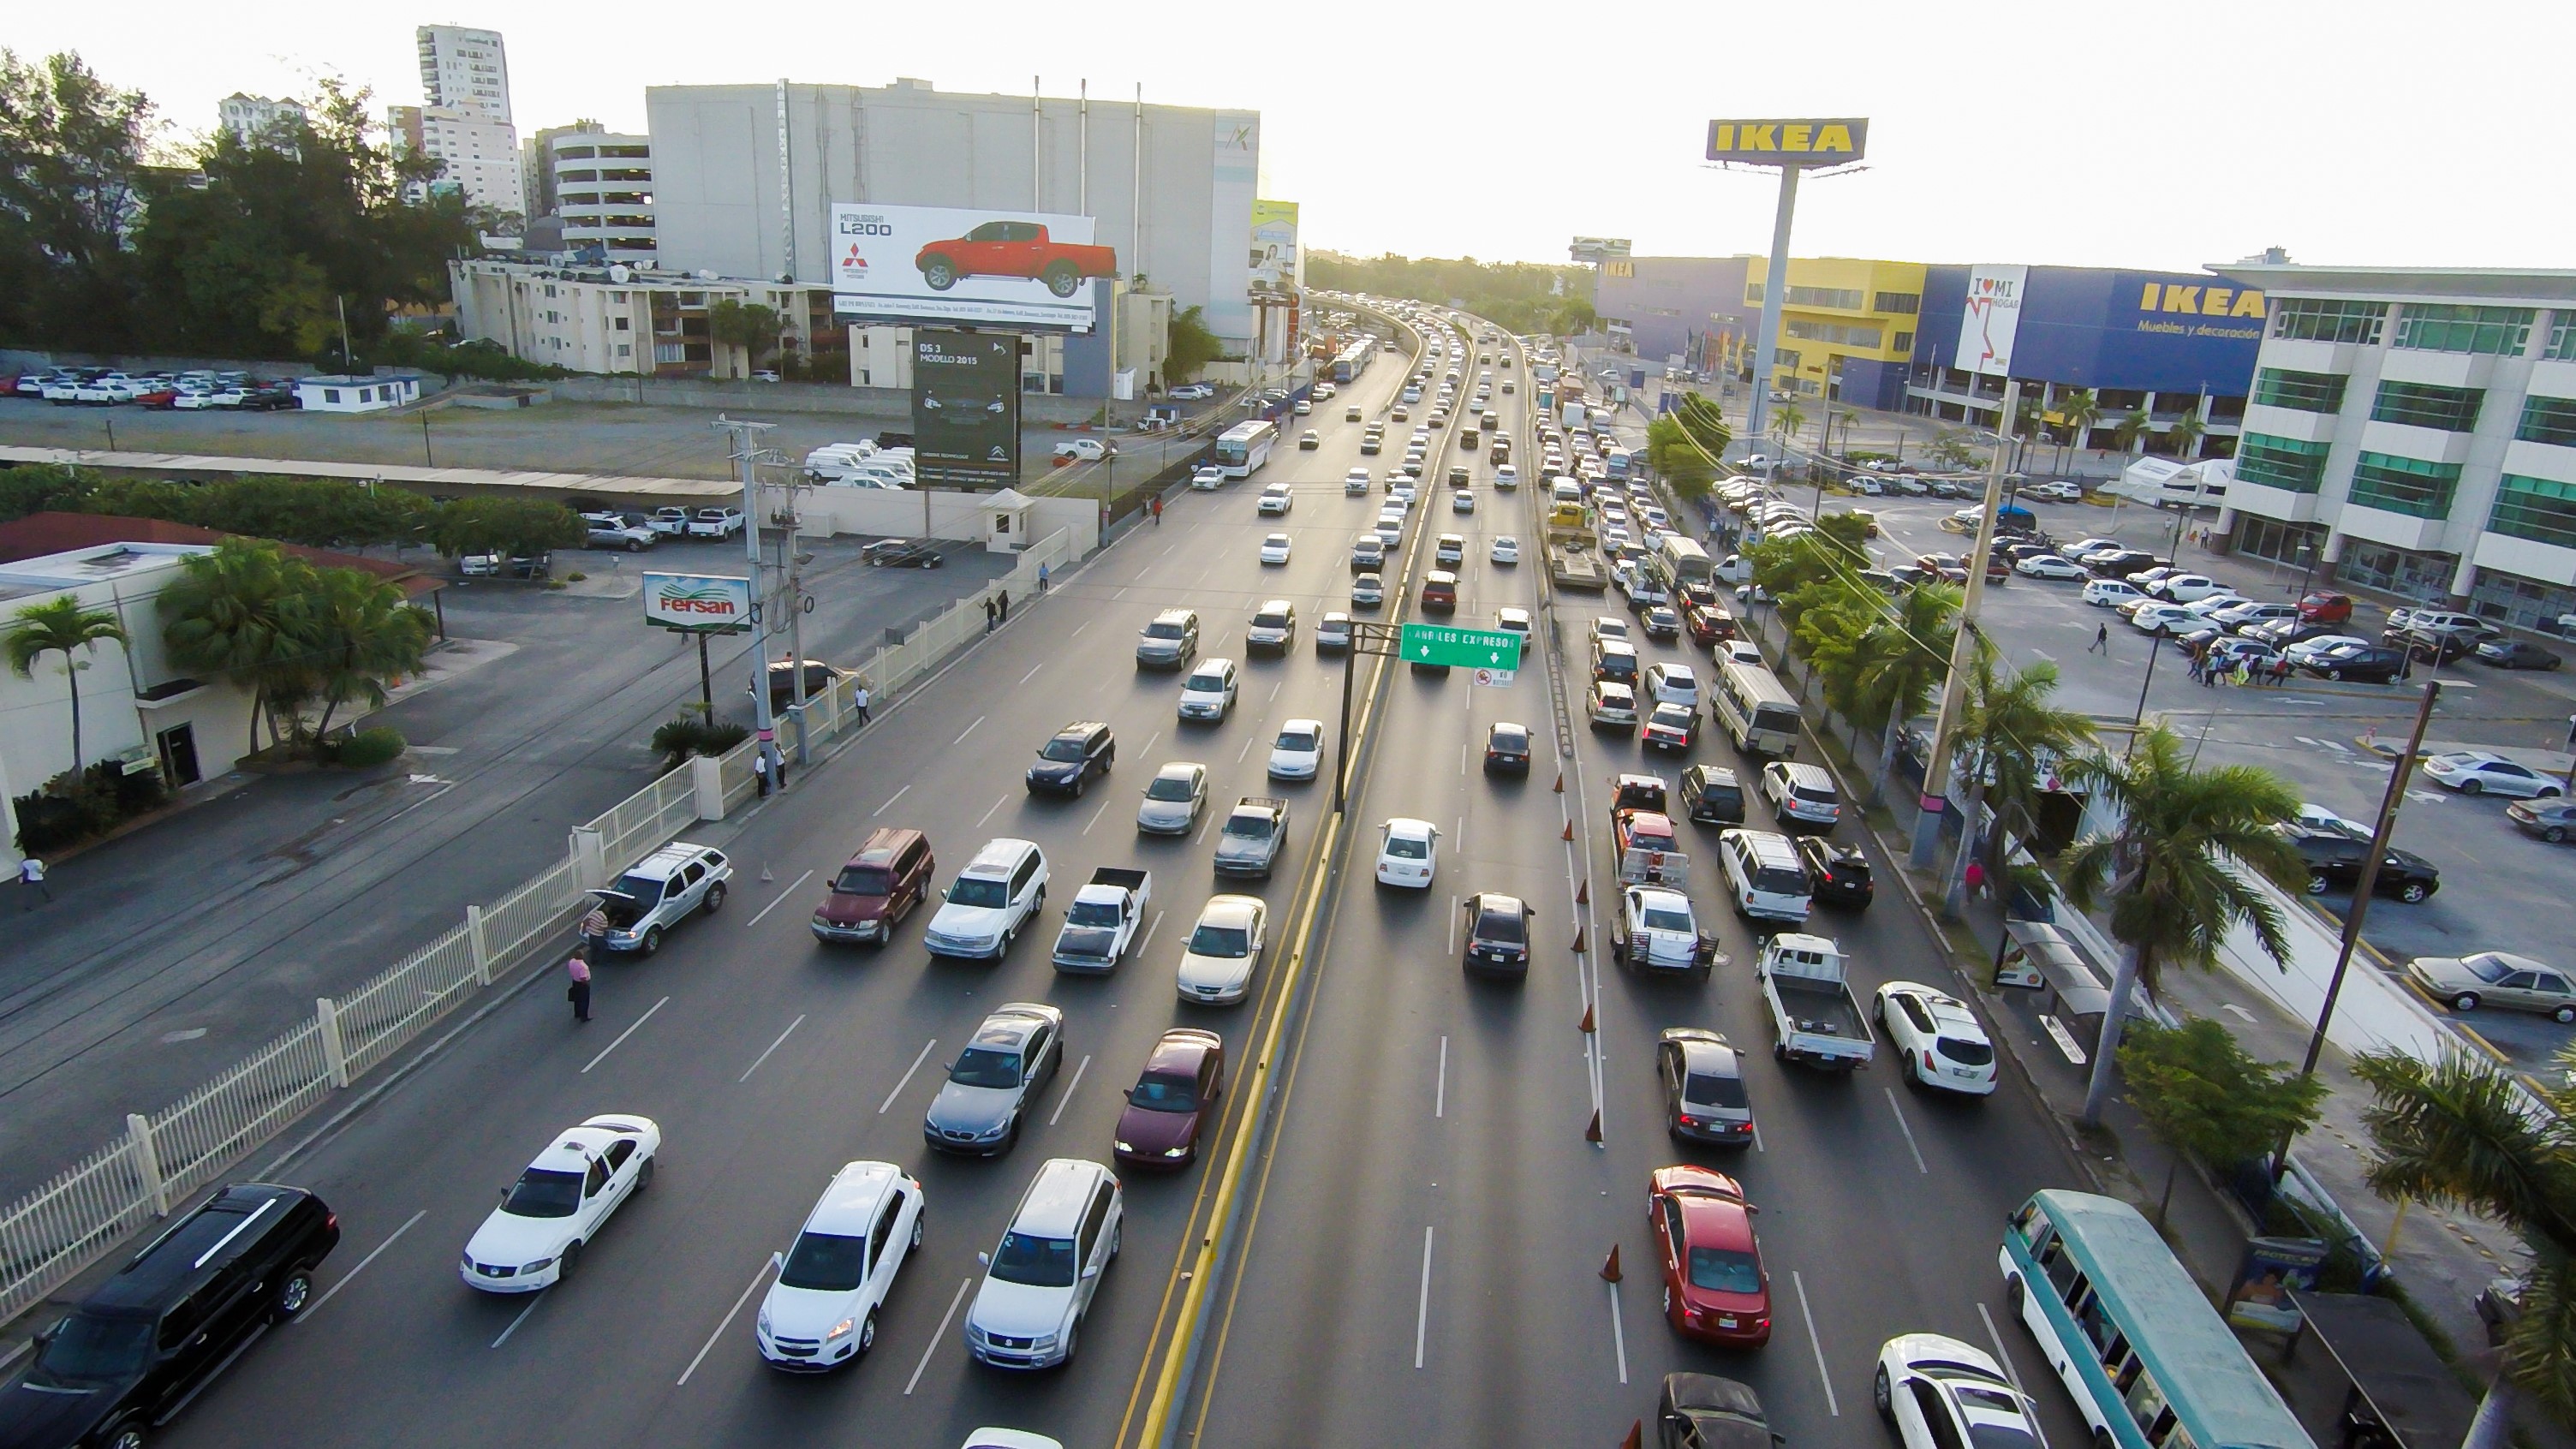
(717, 187)
(885, 406)
(964, 516)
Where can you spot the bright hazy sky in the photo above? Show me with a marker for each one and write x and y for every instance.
(2158, 136)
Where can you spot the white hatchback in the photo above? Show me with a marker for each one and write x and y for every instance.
(2104, 593)
(1274, 549)
(1408, 853)
(821, 1311)
(1938, 1041)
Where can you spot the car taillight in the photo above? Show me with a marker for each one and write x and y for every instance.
(1690, 1121)
(1927, 1060)
(331, 1220)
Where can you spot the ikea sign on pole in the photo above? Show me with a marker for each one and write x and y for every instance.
(1829, 142)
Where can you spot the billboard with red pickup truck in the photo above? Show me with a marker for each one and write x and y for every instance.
(952, 265)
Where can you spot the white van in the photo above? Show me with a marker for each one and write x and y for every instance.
(1764, 878)
(1566, 491)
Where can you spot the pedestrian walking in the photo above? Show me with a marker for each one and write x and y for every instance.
(2280, 671)
(1006, 606)
(859, 701)
(578, 993)
(1976, 876)
(1158, 510)
(31, 880)
(988, 616)
(1044, 583)
(594, 932)
(2101, 641)
(2192, 668)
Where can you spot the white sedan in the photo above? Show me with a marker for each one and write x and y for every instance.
(2047, 566)
(1224, 949)
(2151, 618)
(533, 1239)
(2105, 593)
(2308, 650)
(1299, 752)
(1408, 853)
(2478, 772)
(1937, 1039)
(1938, 1391)
(1506, 549)
(1462, 501)
(821, 1311)
(1274, 549)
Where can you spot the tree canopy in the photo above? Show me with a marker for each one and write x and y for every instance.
(1516, 296)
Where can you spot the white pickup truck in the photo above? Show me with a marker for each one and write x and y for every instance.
(1656, 931)
(1814, 1018)
(1101, 924)
(1082, 450)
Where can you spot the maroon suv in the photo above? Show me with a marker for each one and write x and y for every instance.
(879, 887)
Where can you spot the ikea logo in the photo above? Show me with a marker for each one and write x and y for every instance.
(2200, 301)
(1788, 143)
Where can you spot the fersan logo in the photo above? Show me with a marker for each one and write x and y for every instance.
(2200, 301)
(714, 604)
(1788, 143)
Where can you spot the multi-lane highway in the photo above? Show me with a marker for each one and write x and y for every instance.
(1418, 1259)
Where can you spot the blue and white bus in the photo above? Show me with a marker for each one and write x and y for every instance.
(1243, 448)
(1353, 361)
(2150, 1363)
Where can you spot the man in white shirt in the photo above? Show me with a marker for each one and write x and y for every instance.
(31, 874)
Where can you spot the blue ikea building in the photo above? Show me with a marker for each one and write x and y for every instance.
(2174, 343)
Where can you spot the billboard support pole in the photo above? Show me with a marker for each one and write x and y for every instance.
(706, 680)
(1775, 291)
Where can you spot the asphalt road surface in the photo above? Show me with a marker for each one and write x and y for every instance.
(1420, 1263)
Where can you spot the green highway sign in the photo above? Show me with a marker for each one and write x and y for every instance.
(1463, 648)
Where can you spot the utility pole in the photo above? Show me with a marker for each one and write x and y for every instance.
(790, 542)
(1954, 690)
(743, 435)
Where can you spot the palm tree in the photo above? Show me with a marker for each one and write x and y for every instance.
(1786, 421)
(2077, 413)
(2186, 433)
(355, 631)
(227, 615)
(1903, 659)
(60, 625)
(2008, 740)
(2133, 430)
(2168, 873)
(2461, 1133)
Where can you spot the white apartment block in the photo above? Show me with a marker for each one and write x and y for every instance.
(464, 69)
(249, 117)
(481, 153)
(604, 194)
(613, 319)
(2413, 430)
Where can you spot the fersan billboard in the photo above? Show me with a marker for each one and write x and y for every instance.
(1830, 142)
(966, 409)
(940, 264)
(697, 603)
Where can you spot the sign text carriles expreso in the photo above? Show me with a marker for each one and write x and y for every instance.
(1826, 142)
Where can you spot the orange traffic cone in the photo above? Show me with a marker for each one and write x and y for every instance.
(1586, 1027)
(1592, 1133)
(1583, 894)
(1568, 833)
(1560, 782)
(1636, 1435)
(1610, 1270)
(1578, 940)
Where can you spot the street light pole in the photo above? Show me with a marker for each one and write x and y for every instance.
(1954, 689)
(2138, 717)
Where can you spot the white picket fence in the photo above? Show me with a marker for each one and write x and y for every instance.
(52, 1233)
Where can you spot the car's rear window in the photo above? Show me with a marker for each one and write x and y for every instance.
(1725, 1270)
(1660, 919)
(1405, 847)
(1780, 881)
(1814, 794)
(1708, 1090)
(1966, 1052)
(1508, 927)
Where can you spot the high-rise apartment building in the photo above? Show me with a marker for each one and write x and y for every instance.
(464, 69)
(249, 117)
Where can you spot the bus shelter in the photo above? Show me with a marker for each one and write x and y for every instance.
(2398, 1395)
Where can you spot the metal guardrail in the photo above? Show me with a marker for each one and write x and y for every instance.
(53, 1232)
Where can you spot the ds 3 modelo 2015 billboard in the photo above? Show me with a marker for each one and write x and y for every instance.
(965, 409)
(944, 264)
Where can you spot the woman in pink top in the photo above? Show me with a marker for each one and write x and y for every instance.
(579, 992)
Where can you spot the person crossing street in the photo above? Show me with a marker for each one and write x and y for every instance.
(578, 993)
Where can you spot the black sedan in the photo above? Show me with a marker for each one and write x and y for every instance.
(2365, 663)
(1498, 934)
(2335, 861)
(1839, 874)
(2515, 654)
(1507, 749)
(901, 553)
(2421, 645)
(1703, 1081)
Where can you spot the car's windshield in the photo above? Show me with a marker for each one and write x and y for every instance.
(1208, 683)
(1710, 1090)
(1229, 941)
(1159, 1092)
(1063, 751)
(1164, 629)
(1507, 927)
(644, 889)
(1664, 918)
(1037, 1262)
(1169, 787)
(864, 880)
(1248, 826)
(986, 1067)
(91, 1346)
(1269, 621)
(972, 890)
(1407, 847)
(544, 1193)
(1725, 1270)
(1092, 913)
(1296, 739)
(826, 1263)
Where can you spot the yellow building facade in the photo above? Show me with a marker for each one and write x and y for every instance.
(1837, 309)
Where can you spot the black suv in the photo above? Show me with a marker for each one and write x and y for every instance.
(152, 1337)
(1712, 796)
(1839, 874)
(1067, 762)
(2334, 863)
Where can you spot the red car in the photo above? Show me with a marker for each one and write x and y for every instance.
(1714, 1286)
(1172, 1100)
(2325, 608)
(1014, 249)
(1707, 623)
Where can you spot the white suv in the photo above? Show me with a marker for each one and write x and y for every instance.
(1764, 878)
(659, 891)
(1801, 794)
(822, 1310)
(998, 892)
(1038, 1281)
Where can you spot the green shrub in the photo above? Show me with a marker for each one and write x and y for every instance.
(692, 734)
(368, 747)
(69, 809)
